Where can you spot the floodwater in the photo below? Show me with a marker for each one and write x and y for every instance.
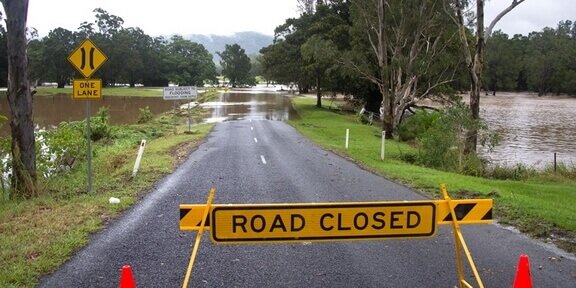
(258, 103)
(253, 105)
(532, 128)
(49, 111)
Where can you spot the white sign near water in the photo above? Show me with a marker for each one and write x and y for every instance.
(180, 92)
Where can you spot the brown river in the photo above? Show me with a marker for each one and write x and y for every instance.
(532, 128)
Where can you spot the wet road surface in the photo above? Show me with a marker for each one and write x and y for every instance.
(263, 161)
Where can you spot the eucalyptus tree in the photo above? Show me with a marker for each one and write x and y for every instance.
(20, 101)
(405, 48)
(107, 25)
(3, 56)
(474, 58)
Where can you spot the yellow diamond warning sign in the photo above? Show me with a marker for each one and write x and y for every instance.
(87, 58)
(322, 222)
(87, 89)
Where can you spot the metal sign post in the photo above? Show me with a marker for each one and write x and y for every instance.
(88, 149)
(87, 58)
(181, 92)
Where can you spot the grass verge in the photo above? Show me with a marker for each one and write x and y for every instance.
(38, 235)
(542, 206)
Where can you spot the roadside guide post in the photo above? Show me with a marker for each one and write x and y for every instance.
(188, 93)
(383, 145)
(87, 58)
(347, 138)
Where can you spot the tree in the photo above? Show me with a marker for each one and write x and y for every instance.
(236, 65)
(475, 62)
(399, 46)
(3, 56)
(284, 62)
(320, 55)
(156, 60)
(128, 52)
(189, 63)
(55, 50)
(20, 100)
(502, 63)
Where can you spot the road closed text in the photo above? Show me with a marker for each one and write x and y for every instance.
(322, 222)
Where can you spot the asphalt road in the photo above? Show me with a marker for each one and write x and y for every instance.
(269, 162)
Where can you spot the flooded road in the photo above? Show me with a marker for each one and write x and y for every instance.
(250, 105)
(532, 128)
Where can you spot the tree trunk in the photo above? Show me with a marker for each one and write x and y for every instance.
(387, 96)
(20, 100)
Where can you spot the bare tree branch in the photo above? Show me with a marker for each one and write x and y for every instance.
(499, 16)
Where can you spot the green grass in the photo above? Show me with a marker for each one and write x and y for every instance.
(116, 91)
(38, 235)
(539, 206)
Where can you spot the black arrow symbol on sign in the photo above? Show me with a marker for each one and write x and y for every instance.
(84, 58)
(92, 58)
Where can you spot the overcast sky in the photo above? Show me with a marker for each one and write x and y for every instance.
(224, 17)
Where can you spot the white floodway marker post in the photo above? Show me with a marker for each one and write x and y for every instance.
(347, 137)
(139, 158)
(383, 145)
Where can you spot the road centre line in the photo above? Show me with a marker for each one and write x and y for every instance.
(255, 140)
(252, 128)
(263, 159)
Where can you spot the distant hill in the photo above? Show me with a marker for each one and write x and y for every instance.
(252, 42)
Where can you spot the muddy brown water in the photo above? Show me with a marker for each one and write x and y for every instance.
(49, 111)
(249, 105)
(532, 128)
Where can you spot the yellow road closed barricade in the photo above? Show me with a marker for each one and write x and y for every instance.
(322, 222)
(305, 222)
(468, 211)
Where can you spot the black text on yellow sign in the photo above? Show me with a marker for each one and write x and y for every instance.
(322, 222)
(87, 89)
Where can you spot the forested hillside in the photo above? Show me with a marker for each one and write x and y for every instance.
(252, 42)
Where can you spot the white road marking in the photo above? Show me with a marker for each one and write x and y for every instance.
(255, 140)
(252, 128)
(263, 159)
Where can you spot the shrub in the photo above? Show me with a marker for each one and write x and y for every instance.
(517, 172)
(416, 125)
(442, 144)
(68, 145)
(99, 128)
(145, 115)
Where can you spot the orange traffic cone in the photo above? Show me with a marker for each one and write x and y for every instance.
(523, 278)
(126, 278)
